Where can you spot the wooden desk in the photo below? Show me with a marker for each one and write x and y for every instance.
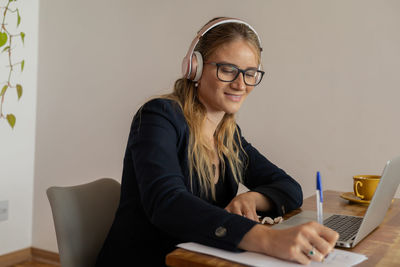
(382, 246)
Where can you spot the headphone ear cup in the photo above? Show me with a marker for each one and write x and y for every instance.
(197, 66)
(185, 67)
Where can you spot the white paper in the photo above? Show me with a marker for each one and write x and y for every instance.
(337, 257)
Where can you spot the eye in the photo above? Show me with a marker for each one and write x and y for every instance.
(228, 69)
(251, 73)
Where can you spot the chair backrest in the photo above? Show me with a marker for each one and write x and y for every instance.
(83, 215)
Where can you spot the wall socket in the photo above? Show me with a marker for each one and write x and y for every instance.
(4, 210)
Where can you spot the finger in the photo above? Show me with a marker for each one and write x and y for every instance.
(297, 254)
(234, 209)
(228, 209)
(302, 258)
(324, 247)
(320, 241)
(253, 216)
(329, 235)
(250, 213)
(313, 253)
(309, 250)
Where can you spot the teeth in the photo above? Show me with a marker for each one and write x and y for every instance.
(234, 97)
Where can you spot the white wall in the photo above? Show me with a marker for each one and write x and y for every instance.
(17, 146)
(328, 102)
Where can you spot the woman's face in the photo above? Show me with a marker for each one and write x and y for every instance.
(226, 97)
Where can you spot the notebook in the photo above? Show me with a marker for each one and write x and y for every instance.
(353, 229)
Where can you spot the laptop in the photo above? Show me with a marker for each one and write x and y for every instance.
(353, 229)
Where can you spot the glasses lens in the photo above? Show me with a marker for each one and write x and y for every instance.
(252, 77)
(226, 72)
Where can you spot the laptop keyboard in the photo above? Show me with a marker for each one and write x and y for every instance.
(346, 226)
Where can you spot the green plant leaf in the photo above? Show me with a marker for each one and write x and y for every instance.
(3, 38)
(23, 37)
(19, 18)
(11, 120)
(19, 91)
(5, 48)
(22, 65)
(3, 91)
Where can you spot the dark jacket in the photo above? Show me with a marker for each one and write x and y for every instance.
(158, 209)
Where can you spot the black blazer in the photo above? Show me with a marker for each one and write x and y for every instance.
(158, 209)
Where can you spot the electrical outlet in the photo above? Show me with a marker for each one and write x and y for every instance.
(4, 210)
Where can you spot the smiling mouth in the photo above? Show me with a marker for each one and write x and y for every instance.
(235, 98)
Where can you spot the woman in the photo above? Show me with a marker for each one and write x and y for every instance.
(186, 155)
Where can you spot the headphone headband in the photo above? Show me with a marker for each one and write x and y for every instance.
(187, 69)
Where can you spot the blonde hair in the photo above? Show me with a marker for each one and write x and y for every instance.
(185, 94)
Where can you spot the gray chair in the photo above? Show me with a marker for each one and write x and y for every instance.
(83, 215)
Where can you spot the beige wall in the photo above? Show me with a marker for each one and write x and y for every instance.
(17, 145)
(329, 101)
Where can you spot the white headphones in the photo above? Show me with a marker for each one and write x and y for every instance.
(192, 64)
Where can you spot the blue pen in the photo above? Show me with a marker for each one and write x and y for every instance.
(320, 199)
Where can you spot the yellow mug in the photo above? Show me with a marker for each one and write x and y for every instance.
(365, 185)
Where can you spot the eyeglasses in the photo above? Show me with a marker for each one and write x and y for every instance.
(228, 73)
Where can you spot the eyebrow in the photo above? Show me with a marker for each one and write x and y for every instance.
(228, 63)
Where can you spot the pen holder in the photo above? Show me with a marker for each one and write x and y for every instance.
(365, 185)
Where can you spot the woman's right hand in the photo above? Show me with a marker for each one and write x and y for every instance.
(293, 244)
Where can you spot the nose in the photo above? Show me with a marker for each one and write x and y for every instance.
(238, 83)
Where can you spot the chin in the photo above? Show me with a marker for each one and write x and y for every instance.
(232, 110)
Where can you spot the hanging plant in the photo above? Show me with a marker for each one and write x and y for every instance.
(10, 12)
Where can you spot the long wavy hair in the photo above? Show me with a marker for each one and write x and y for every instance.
(185, 94)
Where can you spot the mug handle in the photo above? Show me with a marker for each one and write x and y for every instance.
(356, 189)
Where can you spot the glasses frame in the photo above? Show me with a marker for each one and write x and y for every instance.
(237, 74)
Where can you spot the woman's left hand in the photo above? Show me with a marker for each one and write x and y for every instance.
(247, 204)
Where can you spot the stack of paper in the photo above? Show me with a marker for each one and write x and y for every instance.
(339, 258)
